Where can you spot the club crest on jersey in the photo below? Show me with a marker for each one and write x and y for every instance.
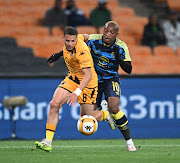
(95, 51)
(63, 82)
(103, 61)
(113, 55)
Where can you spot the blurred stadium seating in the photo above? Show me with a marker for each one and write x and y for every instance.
(174, 4)
(20, 30)
(15, 59)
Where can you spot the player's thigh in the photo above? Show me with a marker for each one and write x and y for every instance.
(86, 109)
(101, 88)
(112, 95)
(112, 88)
(87, 101)
(59, 97)
(69, 85)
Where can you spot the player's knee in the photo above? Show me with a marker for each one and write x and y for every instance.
(113, 107)
(54, 105)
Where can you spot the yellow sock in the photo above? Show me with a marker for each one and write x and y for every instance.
(121, 120)
(104, 115)
(119, 115)
(50, 130)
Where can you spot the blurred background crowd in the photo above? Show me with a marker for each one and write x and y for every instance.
(31, 31)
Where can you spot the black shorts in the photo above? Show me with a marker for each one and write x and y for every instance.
(110, 88)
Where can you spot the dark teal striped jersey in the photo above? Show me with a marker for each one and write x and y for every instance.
(103, 56)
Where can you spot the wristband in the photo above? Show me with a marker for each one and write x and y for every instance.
(77, 91)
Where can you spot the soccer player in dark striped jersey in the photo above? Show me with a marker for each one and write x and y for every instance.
(108, 52)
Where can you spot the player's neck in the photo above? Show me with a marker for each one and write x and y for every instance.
(72, 52)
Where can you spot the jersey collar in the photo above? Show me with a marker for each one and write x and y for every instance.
(72, 52)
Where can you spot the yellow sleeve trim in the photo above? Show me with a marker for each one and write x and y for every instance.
(95, 37)
(124, 46)
(127, 59)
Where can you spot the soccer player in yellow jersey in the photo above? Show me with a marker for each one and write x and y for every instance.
(80, 84)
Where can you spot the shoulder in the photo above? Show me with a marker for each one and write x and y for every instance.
(120, 43)
(81, 37)
(82, 50)
(107, 10)
(124, 49)
(95, 37)
(81, 45)
(50, 10)
(94, 10)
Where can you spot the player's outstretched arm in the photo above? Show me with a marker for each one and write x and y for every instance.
(86, 79)
(55, 57)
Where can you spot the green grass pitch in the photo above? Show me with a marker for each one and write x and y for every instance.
(92, 151)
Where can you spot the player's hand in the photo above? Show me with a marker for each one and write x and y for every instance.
(117, 54)
(72, 99)
(55, 57)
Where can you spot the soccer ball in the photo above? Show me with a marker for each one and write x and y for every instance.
(87, 125)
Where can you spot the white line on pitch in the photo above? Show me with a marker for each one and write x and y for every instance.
(91, 146)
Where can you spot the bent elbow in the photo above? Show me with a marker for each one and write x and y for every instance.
(130, 70)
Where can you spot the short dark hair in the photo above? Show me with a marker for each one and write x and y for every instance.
(70, 31)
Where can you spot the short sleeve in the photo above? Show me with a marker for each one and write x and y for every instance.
(123, 50)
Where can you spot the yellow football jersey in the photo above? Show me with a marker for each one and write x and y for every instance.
(80, 59)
